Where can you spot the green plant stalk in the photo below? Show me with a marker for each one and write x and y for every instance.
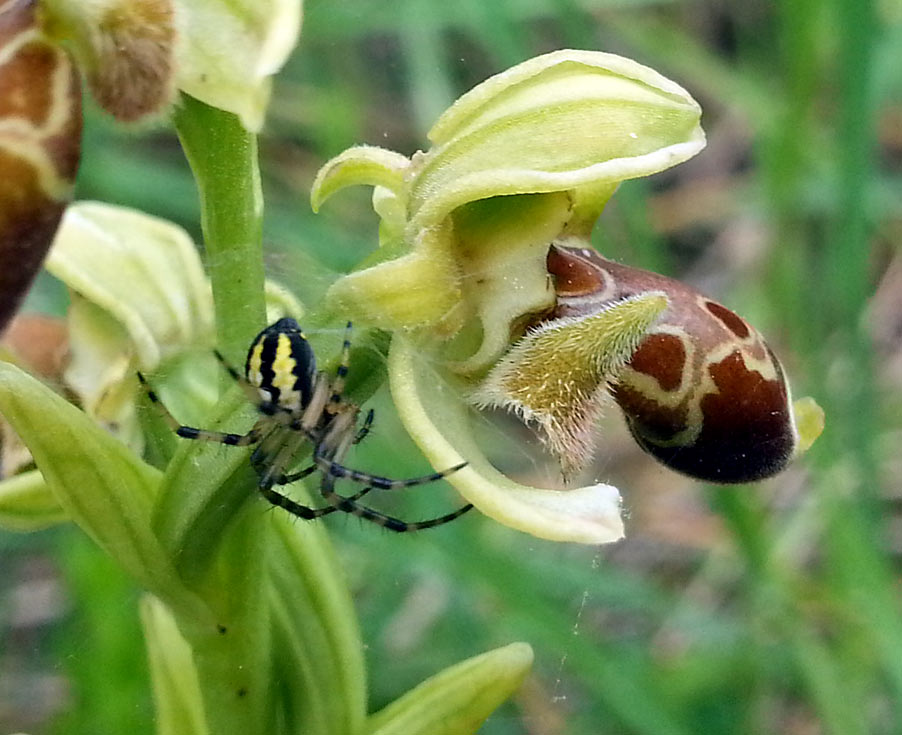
(236, 659)
(223, 159)
(233, 659)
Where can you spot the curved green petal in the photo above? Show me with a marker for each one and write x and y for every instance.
(434, 414)
(558, 122)
(362, 165)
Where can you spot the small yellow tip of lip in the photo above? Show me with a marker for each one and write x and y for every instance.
(810, 420)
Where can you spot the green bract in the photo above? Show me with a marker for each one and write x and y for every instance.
(527, 158)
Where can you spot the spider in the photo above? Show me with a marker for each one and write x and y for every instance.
(299, 405)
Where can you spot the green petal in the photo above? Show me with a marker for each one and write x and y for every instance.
(99, 483)
(558, 122)
(434, 414)
(178, 706)
(459, 699)
(26, 503)
(416, 290)
(143, 270)
(366, 165)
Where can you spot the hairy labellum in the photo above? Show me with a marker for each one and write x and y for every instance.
(702, 393)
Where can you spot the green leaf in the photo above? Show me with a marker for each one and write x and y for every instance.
(26, 503)
(205, 486)
(459, 699)
(96, 480)
(318, 651)
(176, 692)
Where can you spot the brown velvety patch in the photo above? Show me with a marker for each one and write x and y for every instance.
(731, 320)
(662, 356)
(573, 276)
(40, 141)
(655, 422)
(20, 97)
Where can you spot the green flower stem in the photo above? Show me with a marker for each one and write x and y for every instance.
(233, 659)
(223, 158)
(225, 546)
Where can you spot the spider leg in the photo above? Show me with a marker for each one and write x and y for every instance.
(341, 373)
(295, 476)
(302, 511)
(253, 395)
(365, 429)
(333, 469)
(190, 432)
(348, 505)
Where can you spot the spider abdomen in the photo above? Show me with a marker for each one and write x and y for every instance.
(282, 366)
(703, 393)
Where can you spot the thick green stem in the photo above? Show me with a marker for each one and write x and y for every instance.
(233, 565)
(223, 158)
(233, 658)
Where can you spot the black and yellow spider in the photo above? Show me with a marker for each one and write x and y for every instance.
(300, 405)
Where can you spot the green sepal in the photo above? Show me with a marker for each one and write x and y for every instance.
(26, 503)
(558, 122)
(457, 700)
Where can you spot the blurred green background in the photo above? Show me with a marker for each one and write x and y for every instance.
(772, 608)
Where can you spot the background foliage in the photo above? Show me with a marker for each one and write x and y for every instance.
(768, 608)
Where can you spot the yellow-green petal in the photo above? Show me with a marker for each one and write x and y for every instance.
(434, 414)
(557, 122)
(361, 165)
(416, 290)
